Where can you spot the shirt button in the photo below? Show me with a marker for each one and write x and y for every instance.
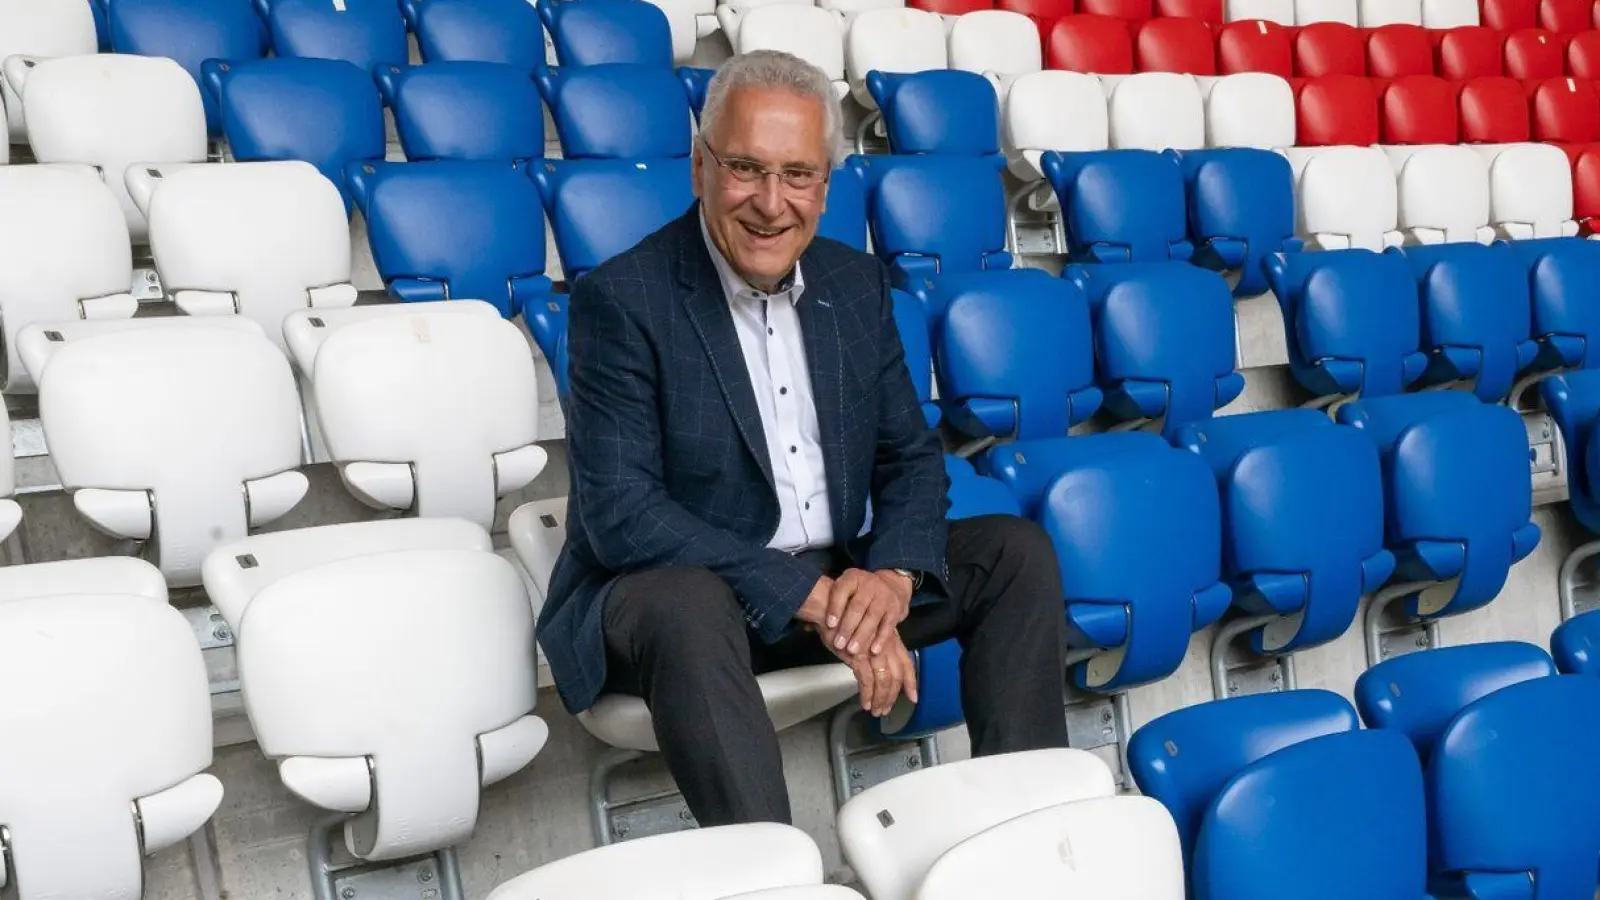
(792, 449)
(783, 390)
(808, 506)
(769, 331)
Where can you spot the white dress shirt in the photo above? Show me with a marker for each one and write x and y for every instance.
(775, 353)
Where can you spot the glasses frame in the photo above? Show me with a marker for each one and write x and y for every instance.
(760, 176)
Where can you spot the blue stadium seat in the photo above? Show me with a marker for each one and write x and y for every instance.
(933, 216)
(1112, 504)
(696, 81)
(1352, 320)
(1417, 694)
(1574, 644)
(464, 111)
(500, 31)
(912, 324)
(1457, 494)
(190, 32)
(1566, 321)
(1016, 357)
(601, 207)
(591, 32)
(365, 33)
(1573, 399)
(618, 111)
(1185, 758)
(1476, 316)
(1164, 340)
(325, 112)
(946, 111)
(1292, 548)
(1120, 205)
(1241, 209)
(845, 218)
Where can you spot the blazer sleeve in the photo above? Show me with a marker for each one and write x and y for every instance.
(614, 437)
(909, 484)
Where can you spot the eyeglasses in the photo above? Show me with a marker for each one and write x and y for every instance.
(748, 171)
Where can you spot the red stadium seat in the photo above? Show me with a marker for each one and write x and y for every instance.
(1469, 52)
(1207, 11)
(1566, 16)
(1566, 111)
(1131, 10)
(1509, 15)
(1328, 48)
(1586, 190)
(1174, 45)
(1084, 43)
(1493, 111)
(951, 7)
(1419, 109)
(1255, 46)
(1336, 109)
(1044, 13)
(1583, 55)
(1395, 51)
(1533, 55)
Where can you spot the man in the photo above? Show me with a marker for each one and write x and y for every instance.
(738, 396)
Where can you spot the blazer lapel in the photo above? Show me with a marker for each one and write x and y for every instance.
(712, 321)
(819, 324)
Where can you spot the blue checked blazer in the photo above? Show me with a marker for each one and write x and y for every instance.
(669, 461)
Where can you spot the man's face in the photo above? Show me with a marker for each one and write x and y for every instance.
(763, 224)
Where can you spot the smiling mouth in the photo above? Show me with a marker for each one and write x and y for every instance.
(761, 232)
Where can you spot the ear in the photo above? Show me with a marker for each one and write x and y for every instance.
(697, 165)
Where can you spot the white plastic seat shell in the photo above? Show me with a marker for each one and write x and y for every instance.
(1157, 111)
(995, 41)
(815, 35)
(1441, 14)
(1443, 193)
(730, 16)
(41, 29)
(1250, 109)
(1530, 191)
(893, 40)
(304, 331)
(1279, 11)
(123, 575)
(1348, 198)
(1310, 12)
(1378, 13)
(1052, 110)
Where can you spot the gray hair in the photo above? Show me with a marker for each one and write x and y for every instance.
(776, 70)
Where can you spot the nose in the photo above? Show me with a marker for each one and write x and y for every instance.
(769, 199)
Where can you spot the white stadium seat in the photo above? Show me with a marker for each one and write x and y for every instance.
(815, 35)
(892, 40)
(402, 729)
(1156, 111)
(1440, 14)
(1377, 13)
(1279, 11)
(1443, 194)
(111, 111)
(731, 13)
(184, 432)
(700, 864)
(849, 9)
(1250, 109)
(424, 407)
(106, 744)
(1530, 191)
(64, 255)
(687, 22)
(121, 575)
(1310, 12)
(810, 892)
(1052, 110)
(255, 239)
(1116, 848)
(41, 29)
(10, 511)
(893, 833)
(995, 41)
(1348, 198)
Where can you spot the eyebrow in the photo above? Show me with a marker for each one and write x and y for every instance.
(730, 157)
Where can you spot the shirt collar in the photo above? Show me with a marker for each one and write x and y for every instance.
(735, 287)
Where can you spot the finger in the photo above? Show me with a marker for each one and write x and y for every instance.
(911, 675)
(866, 630)
(887, 687)
(839, 599)
(868, 680)
(886, 630)
(858, 606)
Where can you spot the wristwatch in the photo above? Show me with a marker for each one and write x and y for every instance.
(914, 577)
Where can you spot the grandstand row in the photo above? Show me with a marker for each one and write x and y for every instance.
(1274, 314)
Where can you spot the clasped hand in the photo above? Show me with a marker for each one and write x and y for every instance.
(857, 616)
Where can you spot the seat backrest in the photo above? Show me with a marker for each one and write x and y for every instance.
(41, 30)
(1120, 205)
(1443, 194)
(995, 40)
(1509, 15)
(464, 111)
(1053, 110)
(1099, 45)
(1398, 50)
(1470, 51)
(1175, 45)
(944, 111)
(1379, 13)
(134, 766)
(365, 33)
(455, 231)
(1329, 48)
(1313, 12)
(619, 111)
(1566, 16)
(325, 112)
(892, 40)
(1476, 306)
(698, 864)
(1583, 55)
(1207, 11)
(64, 254)
(1304, 814)
(1157, 110)
(1254, 46)
(1349, 199)
(388, 391)
(1250, 109)
(500, 31)
(253, 239)
(1417, 694)
(1494, 110)
(613, 31)
(599, 208)
(1530, 192)
(102, 110)
(809, 32)
(918, 217)
(1442, 14)
(189, 32)
(845, 219)
(1016, 355)
(1280, 12)
(1240, 196)
(1337, 110)
(185, 467)
(1564, 322)
(911, 323)
(1131, 11)
(1043, 13)
(893, 833)
(1113, 846)
(972, 494)
(1186, 758)
(1566, 110)
(1533, 54)
(1418, 109)
(1573, 399)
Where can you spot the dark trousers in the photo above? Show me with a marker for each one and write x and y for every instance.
(677, 638)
